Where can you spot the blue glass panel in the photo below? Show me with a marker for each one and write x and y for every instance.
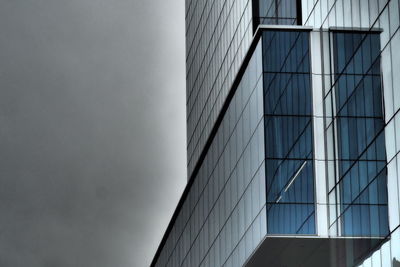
(360, 135)
(288, 133)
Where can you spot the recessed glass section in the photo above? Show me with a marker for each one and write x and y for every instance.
(361, 155)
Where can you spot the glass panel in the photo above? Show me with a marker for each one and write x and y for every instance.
(361, 155)
(288, 133)
(278, 12)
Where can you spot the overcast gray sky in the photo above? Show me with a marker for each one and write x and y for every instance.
(92, 130)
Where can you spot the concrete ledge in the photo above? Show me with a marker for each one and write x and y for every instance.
(296, 251)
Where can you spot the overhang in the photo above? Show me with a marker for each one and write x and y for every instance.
(311, 251)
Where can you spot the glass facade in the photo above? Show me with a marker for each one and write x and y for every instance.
(218, 35)
(223, 218)
(288, 132)
(293, 135)
(383, 134)
(361, 156)
(278, 12)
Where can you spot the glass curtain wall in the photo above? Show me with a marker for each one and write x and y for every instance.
(277, 12)
(361, 156)
(221, 219)
(288, 133)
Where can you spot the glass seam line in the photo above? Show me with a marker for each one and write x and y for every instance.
(214, 82)
(220, 156)
(208, 67)
(209, 115)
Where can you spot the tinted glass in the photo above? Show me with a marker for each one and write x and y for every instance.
(362, 174)
(288, 133)
(277, 12)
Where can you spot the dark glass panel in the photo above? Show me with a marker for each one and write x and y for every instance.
(285, 51)
(293, 218)
(288, 133)
(287, 94)
(278, 12)
(360, 135)
(288, 137)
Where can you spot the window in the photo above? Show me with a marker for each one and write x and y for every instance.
(361, 156)
(288, 133)
(277, 12)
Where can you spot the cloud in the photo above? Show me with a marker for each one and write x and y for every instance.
(92, 115)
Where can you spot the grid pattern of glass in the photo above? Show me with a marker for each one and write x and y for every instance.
(361, 155)
(288, 133)
(382, 14)
(218, 35)
(362, 173)
(277, 12)
(223, 218)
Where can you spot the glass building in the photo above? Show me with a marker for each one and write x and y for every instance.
(293, 135)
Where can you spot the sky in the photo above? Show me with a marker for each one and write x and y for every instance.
(92, 130)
